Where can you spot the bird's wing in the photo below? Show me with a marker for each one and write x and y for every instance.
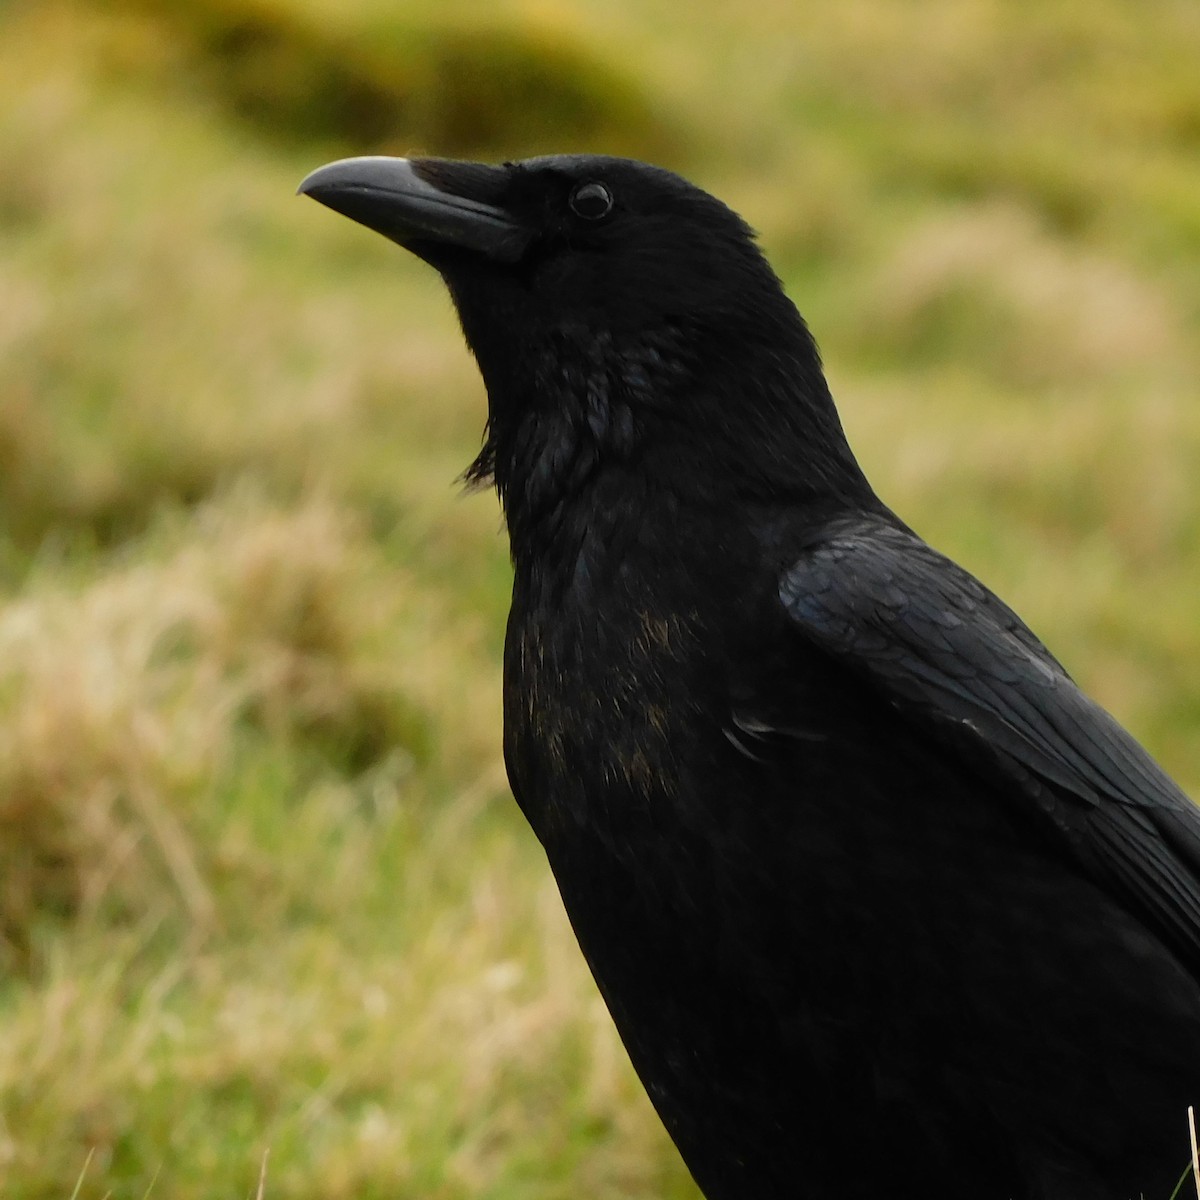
(954, 659)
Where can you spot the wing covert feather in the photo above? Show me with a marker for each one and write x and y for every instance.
(955, 660)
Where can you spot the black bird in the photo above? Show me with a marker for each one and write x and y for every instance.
(881, 903)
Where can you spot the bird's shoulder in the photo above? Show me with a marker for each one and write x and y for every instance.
(864, 577)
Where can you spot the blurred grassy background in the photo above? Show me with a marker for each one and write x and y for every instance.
(261, 884)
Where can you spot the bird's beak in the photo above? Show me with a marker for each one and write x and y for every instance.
(423, 203)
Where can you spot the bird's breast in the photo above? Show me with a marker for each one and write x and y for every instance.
(600, 713)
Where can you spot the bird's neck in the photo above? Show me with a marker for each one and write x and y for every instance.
(580, 422)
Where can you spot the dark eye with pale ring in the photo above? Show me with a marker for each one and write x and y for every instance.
(591, 201)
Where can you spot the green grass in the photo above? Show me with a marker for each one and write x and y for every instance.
(261, 883)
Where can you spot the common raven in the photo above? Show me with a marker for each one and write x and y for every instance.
(881, 903)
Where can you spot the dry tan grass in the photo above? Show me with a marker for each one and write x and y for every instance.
(123, 699)
(1056, 311)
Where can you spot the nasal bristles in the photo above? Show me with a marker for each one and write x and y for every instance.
(478, 181)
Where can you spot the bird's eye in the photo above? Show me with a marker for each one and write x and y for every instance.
(591, 201)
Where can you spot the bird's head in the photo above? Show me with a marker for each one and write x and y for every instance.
(612, 295)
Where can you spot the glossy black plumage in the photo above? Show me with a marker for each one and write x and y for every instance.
(880, 902)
